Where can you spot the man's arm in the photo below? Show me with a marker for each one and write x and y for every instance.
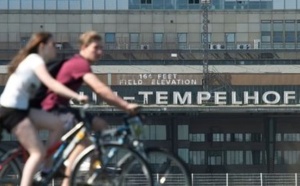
(106, 93)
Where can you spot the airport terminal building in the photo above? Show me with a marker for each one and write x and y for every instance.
(248, 118)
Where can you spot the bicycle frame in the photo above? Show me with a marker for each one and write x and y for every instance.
(20, 151)
(61, 150)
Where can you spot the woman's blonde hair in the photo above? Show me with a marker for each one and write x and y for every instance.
(31, 47)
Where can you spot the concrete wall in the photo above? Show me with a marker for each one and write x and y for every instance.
(67, 26)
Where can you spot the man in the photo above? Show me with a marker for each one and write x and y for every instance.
(73, 73)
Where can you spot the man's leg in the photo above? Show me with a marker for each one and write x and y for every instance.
(98, 125)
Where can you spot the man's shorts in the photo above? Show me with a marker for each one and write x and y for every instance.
(70, 116)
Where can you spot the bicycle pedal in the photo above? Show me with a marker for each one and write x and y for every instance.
(38, 182)
(83, 184)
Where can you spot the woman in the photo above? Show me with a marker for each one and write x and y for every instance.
(27, 70)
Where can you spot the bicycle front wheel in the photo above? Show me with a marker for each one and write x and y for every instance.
(10, 171)
(168, 169)
(121, 167)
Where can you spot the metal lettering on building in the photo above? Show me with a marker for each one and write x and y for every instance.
(181, 95)
(156, 79)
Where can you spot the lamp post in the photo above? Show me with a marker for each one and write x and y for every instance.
(205, 5)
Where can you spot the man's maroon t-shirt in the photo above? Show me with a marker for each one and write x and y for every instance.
(70, 74)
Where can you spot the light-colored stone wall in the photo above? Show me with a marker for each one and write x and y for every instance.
(66, 26)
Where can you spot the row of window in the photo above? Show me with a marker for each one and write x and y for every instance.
(158, 132)
(229, 137)
(183, 134)
(287, 157)
(64, 4)
(135, 37)
(255, 157)
(236, 157)
(215, 4)
(288, 137)
(279, 31)
(146, 4)
(239, 137)
(160, 37)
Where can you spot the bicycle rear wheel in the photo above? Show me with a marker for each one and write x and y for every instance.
(168, 169)
(118, 171)
(10, 171)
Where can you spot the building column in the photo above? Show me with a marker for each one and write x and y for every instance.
(270, 139)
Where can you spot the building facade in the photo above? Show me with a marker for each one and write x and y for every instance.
(248, 119)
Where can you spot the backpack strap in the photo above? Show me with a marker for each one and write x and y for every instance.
(53, 69)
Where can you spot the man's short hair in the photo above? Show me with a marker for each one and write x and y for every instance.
(88, 37)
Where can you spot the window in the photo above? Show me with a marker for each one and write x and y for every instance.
(278, 31)
(134, 4)
(254, 4)
(182, 40)
(218, 137)
(197, 157)
(154, 132)
(278, 4)
(278, 137)
(197, 137)
(234, 137)
(265, 26)
(208, 37)
(230, 37)
(194, 1)
(158, 37)
(158, 4)
(290, 37)
(266, 4)
(182, 37)
(183, 132)
(253, 137)
(242, 4)
(290, 26)
(230, 4)
(24, 41)
(235, 158)
(184, 154)
(278, 158)
(134, 37)
(277, 37)
(254, 157)
(298, 30)
(291, 157)
(290, 4)
(238, 137)
(291, 137)
(6, 136)
(158, 159)
(169, 4)
(278, 26)
(215, 158)
(265, 37)
(181, 4)
(146, 1)
(110, 37)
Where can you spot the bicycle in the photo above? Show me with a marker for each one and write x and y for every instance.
(11, 163)
(111, 172)
(170, 169)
